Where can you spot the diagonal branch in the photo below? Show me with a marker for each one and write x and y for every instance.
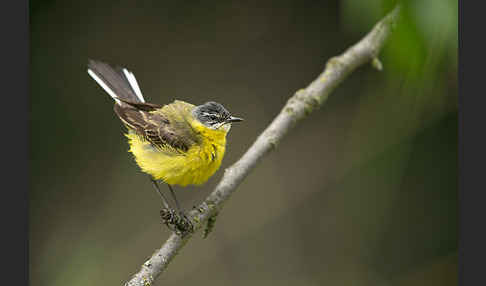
(301, 104)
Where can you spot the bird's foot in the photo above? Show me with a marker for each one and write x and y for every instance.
(177, 222)
(185, 222)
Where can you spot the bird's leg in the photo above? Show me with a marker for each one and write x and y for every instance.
(167, 213)
(184, 224)
(179, 209)
(164, 199)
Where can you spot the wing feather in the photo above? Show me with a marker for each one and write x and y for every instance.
(170, 136)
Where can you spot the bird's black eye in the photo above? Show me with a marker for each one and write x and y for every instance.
(213, 117)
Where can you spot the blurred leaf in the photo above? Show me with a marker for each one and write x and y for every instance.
(405, 52)
(426, 34)
(437, 20)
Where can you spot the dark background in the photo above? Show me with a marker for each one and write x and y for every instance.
(362, 192)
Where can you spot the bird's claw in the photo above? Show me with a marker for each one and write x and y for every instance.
(177, 222)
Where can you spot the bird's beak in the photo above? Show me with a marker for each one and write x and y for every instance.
(233, 119)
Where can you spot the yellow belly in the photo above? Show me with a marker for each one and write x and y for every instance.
(195, 166)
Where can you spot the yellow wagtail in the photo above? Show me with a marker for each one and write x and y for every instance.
(178, 143)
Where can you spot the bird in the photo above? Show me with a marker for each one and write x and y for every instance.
(177, 143)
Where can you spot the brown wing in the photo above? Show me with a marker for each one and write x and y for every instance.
(155, 128)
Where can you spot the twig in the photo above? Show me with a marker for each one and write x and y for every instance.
(301, 104)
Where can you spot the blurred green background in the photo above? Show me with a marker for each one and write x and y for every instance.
(362, 192)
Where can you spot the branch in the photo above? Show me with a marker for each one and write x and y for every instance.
(301, 104)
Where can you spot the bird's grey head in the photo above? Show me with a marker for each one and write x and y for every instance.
(214, 115)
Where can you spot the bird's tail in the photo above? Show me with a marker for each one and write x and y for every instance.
(119, 83)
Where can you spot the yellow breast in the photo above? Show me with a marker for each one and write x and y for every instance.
(195, 166)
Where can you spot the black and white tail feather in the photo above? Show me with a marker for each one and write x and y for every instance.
(120, 84)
